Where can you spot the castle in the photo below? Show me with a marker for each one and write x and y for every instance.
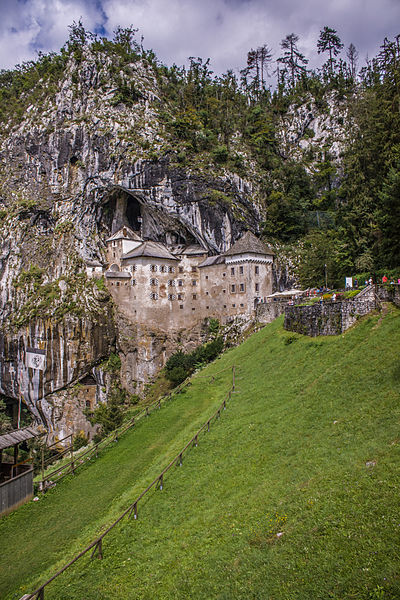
(172, 287)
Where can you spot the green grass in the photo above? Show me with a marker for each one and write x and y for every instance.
(289, 455)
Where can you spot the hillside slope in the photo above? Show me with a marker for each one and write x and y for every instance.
(308, 448)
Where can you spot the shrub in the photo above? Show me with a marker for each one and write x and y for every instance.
(79, 441)
(181, 365)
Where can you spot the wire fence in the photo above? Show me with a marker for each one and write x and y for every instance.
(77, 461)
(97, 545)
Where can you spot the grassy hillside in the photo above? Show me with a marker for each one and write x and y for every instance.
(308, 448)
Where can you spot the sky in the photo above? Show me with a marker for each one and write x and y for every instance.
(222, 30)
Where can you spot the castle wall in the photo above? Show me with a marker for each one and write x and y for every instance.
(171, 295)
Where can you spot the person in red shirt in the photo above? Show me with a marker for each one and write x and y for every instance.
(384, 279)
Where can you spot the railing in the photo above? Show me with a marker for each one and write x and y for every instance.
(97, 545)
(77, 461)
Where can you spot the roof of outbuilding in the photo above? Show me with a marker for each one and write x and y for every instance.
(249, 243)
(150, 249)
(125, 233)
(16, 437)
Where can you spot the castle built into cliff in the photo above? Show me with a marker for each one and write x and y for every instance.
(172, 287)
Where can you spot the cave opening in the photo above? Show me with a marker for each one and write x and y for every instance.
(121, 209)
(133, 213)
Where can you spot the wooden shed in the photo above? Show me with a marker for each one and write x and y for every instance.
(16, 479)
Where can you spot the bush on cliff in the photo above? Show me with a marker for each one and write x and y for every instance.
(181, 365)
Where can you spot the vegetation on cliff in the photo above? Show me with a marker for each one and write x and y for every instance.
(310, 191)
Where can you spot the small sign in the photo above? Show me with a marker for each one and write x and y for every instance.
(349, 282)
(36, 359)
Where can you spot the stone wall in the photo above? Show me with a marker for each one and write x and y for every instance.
(328, 318)
(389, 293)
(267, 312)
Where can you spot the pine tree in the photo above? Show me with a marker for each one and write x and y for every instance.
(330, 42)
(292, 59)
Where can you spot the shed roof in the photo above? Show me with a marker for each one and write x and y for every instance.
(16, 437)
(150, 249)
(249, 243)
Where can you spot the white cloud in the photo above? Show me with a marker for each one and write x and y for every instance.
(223, 30)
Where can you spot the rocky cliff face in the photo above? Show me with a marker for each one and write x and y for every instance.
(73, 171)
(87, 157)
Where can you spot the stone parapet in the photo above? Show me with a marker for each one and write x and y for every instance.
(328, 318)
(267, 312)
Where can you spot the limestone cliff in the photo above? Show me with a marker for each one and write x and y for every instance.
(76, 167)
(87, 152)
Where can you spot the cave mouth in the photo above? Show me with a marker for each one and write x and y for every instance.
(121, 209)
(133, 213)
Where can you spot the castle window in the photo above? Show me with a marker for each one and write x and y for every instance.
(180, 296)
(233, 288)
(171, 269)
(241, 270)
(223, 274)
(194, 269)
(194, 282)
(181, 306)
(133, 282)
(114, 254)
(171, 297)
(257, 287)
(256, 270)
(180, 282)
(194, 296)
(133, 268)
(117, 282)
(171, 282)
(232, 270)
(153, 296)
(242, 287)
(224, 291)
(206, 276)
(163, 268)
(153, 268)
(114, 244)
(180, 269)
(193, 308)
(153, 281)
(242, 305)
(233, 305)
(224, 305)
(207, 307)
(88, 404)
(206, 293)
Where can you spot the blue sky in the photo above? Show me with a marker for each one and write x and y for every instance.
(223, 30)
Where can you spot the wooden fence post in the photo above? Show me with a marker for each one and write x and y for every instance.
(72, 458)
(147, 411)
(208, 425)
(233, 377)
(161, 481)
